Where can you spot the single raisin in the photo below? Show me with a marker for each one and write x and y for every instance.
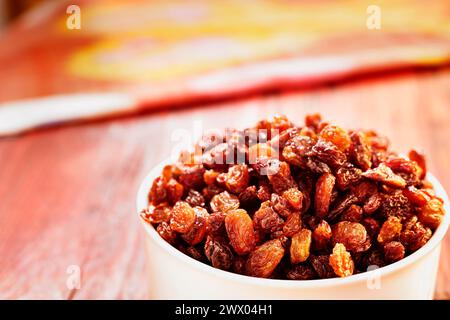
(196, 234)
(390, 230)
(240, 231)
(218, 253)
(321, 235)
(324, 189)
(237, 179)
(341, 261)
(352, 235)
(264, 259)
(432, 213)
(394, 251)
(182, 218)
(224, 202)
(300, 246)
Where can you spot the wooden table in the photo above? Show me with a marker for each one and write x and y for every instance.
(67, 194)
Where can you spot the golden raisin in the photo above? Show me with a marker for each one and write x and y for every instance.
(224, 202)
(390, 230)
(341, 261)
(182, 218)
(240, 231)
(300, 245)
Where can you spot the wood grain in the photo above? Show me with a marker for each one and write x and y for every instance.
(68, 193)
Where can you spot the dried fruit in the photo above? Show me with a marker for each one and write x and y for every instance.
(267, 220)
(322, 266)
(341, 261)
(195, 199)
(390, 230)
(182, 218)
(394, 251)
(384, 174)
(338, 136)
(322, 235)
(240, 231)
(156, 214)
(301, 272)
(224, 202)
(432, 214)
(324, 189)
(360, 151)
(264, 259)
(218, 253)
(237, 178)
(294, 202)
(419, 158)
(292, 225)
(294, 197)
(300, 245)
(352, 235)
(196, 234)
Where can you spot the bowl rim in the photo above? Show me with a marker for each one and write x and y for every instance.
(142, 202)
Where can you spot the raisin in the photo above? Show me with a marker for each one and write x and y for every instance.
(419, 158)
(297, 150)
(395, 204)
(338, 136)
(393, 251)
(209, 140)
(416, 196)
(239, 265)
(282, 179)
(292, 225)
(158, 192)
(224, 202)
(195, 253)
(264, 259)
(384, 174)
(432, 214)
(372, 226)
(321, 235)
(352, 235)
(341, 205)
(328, 153)
(217, 222)
(182, 218)
(408, 170)
(373, 203)
(275, 123)
(341, 261)
(390, 230)
(354, 213)
(322, 266)
(415, 236)
(237, 179)
(195, 199)
(313, 121)
(218, 253)
(280, 205)
(279, 141)
(248, 198)
(156, 214)
(294, 197)
(196, 234)
(166, 232)
(347, 175)
(266, 219)
(359, 151)
(210, 177)
(190, 176)
(300, 246)
(240, 231)
(264, 192)
(364, 190)
(301, 272)
(324, 189)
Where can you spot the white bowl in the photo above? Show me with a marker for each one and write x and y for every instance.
(174, 275)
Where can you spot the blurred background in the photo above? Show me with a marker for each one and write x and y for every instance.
(92, 92)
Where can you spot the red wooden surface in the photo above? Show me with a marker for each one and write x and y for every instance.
(67, 194)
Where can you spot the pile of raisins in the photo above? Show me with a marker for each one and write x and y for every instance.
(309, 202)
